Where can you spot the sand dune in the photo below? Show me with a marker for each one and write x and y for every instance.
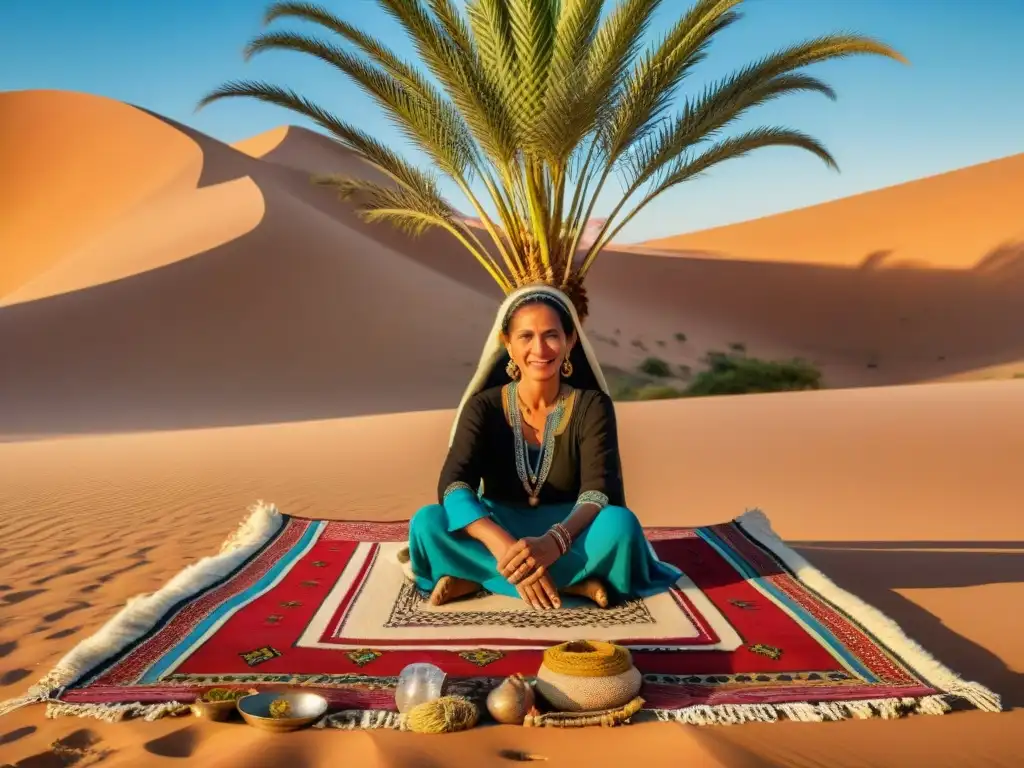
(905, 495)
(72, 164)
(963, 219)
(303, 315)
(197, 284)
(102, 328)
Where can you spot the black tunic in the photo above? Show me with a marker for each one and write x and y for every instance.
(585, 459)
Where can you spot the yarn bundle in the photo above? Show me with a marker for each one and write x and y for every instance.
(447, 714)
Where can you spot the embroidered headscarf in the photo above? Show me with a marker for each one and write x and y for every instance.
(491, 372)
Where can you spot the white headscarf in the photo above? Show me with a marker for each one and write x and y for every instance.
(495, 357)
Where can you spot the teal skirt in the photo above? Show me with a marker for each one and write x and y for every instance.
(613, 547)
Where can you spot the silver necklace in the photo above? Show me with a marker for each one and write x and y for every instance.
(533, 478)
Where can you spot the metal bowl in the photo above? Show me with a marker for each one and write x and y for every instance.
(219, 710)
(306, 709)
(214, 710)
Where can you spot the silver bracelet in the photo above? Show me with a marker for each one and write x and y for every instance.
(559, 540)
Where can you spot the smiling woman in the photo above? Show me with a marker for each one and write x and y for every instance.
(530, 498)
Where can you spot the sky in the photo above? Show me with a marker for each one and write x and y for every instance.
(959, 102)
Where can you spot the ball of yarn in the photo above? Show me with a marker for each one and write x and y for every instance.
(588, 658)
(444, 715)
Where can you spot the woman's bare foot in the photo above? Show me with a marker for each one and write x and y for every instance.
(592, 589)
(449, 588)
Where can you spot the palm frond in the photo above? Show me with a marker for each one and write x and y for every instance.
(692, 164)
(492, 32)
(702, 118)
(412, 213)
(424, 122)
(768, 78)
(411, 78)
(349, 136)
(533, 24)
(461, 77)
(648, 89)
(567, 118)
(419, 112)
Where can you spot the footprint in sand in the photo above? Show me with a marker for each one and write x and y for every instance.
(69, 570)
(78, 748)
(180, 743)
(17, 733)
(114, 574)
(7, 648)
(19, 597)
(58, 615)
(13, 676)
(90, 588)
(63, 633)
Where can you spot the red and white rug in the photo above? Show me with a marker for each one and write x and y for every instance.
(752, 632)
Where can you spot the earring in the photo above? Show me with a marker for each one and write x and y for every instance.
(512, 369)
(566, 367)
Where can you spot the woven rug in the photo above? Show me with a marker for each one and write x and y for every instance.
(752, 632)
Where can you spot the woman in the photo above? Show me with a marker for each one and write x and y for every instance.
(531, 501)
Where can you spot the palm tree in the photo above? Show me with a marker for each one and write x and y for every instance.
(532, 105)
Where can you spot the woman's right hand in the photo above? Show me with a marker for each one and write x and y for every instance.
(540, 594)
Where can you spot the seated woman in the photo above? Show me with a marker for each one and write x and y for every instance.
(530, 499)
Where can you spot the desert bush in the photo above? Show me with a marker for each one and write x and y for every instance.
(647, 392)
(737, 375)
(655, 366)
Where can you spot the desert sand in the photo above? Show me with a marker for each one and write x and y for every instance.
(187, 327)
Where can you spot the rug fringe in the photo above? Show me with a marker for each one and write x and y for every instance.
(143, 612)
(115, 713)
(363, 720)
(737, 714)
(758, 526)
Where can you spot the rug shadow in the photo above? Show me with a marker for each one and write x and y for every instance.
(874, 571)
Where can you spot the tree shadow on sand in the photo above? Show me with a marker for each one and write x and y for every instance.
(873, 571)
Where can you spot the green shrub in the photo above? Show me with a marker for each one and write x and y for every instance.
(737, 375)
(654, 366)
(647, 392)
(658, 392)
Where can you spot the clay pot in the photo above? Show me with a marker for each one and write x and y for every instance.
(583, 675)
(510, 701)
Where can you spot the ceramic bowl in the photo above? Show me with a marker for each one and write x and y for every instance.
(306, 709)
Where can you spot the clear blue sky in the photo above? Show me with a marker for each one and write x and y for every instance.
(960, 102)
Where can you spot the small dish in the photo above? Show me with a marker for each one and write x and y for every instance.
(306, 708)
(218, 710)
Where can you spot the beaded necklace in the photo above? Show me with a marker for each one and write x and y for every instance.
(533, 477)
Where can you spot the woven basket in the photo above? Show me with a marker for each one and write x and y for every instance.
(586, 675)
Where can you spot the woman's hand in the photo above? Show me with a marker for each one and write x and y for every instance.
(540, 593)
(527, 556)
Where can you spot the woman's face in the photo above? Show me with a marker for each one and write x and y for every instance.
(537, 342)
